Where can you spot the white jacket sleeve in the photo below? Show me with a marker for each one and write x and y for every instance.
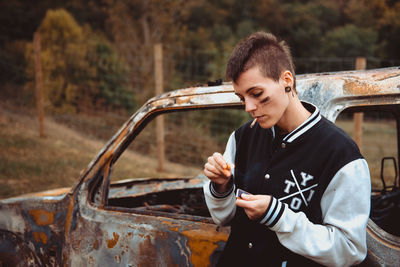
(222, 207)
(341, 239)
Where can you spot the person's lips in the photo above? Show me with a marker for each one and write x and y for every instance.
(259, 117)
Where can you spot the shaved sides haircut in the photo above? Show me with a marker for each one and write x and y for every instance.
(263, 50)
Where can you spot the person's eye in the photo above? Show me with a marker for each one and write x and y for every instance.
(257, 94)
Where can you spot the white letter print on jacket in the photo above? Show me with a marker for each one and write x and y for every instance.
(298, 191)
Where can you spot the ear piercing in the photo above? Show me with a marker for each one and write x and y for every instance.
(288, 89)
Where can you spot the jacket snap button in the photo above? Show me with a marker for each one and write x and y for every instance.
(283, 145)
(267, 176)
(250, 245)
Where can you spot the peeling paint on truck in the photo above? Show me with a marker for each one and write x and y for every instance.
(77, 227)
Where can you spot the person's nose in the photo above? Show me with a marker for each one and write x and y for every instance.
(249, 105)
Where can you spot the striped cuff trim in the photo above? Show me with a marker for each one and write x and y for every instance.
(216, 194)
(273, 213)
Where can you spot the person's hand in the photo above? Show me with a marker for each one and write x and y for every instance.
(254, 205)
(218, 171)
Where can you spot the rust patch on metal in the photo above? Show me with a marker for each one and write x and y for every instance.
(49, 193)
(77, 244)
(55, 192)
(96, 245)
(112, 242)
(146, 248)
(118, 140)
(91, 260)
(359, 88)
(40, 237)
(173, 226)
(183, 100)
(42, 217)
(384, 76)
(117, 258)
(202, 244)
(69, 217)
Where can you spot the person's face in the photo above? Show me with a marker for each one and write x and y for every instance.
(264, 98)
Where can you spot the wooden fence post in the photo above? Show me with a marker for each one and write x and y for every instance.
(158, 74)
(358, 117)
(39, 84)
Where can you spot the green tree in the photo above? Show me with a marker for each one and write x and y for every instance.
(389, 29)
(79, 68)
(135, 26)
(349, 41)
(110, 81)
(63, 58)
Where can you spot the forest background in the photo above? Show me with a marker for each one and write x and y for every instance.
(100, 53)
(98, 65)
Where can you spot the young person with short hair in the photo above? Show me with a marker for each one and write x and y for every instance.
(308, 187)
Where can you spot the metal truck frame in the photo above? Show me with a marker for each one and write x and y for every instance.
(82, 226)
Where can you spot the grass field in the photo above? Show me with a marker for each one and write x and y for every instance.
(379, 140)
(31, 164)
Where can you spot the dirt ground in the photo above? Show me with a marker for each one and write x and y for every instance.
(29, 163)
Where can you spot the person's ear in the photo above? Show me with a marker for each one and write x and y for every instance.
(287, 78)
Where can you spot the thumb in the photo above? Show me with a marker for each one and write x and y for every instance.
(246, 196)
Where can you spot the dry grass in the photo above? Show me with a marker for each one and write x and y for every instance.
(30, 164)
(379, 140)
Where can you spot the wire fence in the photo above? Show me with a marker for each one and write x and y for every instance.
(316, 65)
(189, 138)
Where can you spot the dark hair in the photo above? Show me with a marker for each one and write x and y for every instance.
(263, 50)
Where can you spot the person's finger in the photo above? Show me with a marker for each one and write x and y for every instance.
(218, 168)
(219, 159)
(243, 203)
(254, 205)
(250, 208)
(211, 175)
(219, 163)
(213, 162)
(211, 168)
(250, 197)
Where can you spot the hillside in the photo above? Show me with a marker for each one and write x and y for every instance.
(30, 164)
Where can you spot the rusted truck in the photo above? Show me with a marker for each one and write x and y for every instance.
(164, 221)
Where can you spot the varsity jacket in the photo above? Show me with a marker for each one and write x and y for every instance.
(320, 188)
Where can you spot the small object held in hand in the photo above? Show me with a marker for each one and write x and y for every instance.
(240, 192)
(253, 123)
(228, 166)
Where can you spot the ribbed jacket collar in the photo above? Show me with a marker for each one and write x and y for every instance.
(305, 126)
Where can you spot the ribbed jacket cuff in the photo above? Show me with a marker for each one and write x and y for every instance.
(273, 213)
(216, 194)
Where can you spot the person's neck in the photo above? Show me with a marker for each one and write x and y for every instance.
(294, 116)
